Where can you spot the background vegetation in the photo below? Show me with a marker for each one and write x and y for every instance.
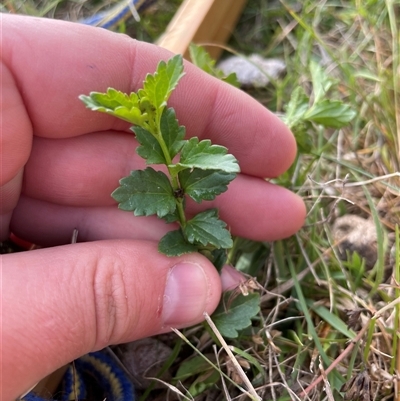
(329, 321)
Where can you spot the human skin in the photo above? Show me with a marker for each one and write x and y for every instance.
(60, 162)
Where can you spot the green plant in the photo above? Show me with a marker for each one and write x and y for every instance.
(301, 113)
(200, 58)
(201, 170)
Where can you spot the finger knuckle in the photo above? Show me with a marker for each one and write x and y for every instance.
(110, 299)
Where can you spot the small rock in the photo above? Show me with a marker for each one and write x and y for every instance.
(254, 70)
(144, 358)
(356, 234)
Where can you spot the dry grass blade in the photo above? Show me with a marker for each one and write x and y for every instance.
(251, 390)
(327, 385)
(174, 389)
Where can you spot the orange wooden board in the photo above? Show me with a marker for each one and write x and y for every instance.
(202, 22)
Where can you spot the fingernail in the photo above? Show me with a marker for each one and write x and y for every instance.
(186, 294)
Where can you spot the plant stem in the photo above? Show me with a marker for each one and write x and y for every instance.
(174, 178)
(181, 213)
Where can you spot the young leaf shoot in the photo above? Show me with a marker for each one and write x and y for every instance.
(195, 169)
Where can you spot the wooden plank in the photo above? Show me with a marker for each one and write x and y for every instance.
(202, 22)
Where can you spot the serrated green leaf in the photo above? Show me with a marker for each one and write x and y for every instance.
(174, 244)
(117, 104)
(239, 315)
(231, 79)
(172, 133)
(200, 58)
(171, 217)
(146, 192)
(113, 99)
(205, 156)
(321, 81)
(296, 108)
(204, 184)
(149, 147)
(158, 87)
(330, 113)
(206, 228)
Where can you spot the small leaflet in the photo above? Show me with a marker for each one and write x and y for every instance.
(158, 87)
(206, 156)
(330, 113)
(173, 134)
(171, 217)
(201, 58)
(146, 192)
(296, 108)
(117, 104)
(204, 184)
(174, 244)
(321, 81)
(206, 228)
(238, 314)
(149, 147)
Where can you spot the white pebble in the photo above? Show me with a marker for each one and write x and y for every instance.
(253, 70)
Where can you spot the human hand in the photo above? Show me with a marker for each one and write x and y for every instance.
(60, 162)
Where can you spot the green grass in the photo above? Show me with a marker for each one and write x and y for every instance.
(300, 344)
(357, 46)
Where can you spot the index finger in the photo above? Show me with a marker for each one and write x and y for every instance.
(53, 62)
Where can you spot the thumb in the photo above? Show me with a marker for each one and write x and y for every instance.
(60, 303)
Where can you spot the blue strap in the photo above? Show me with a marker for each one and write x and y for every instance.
(102, 369)
(110, 377)
(117, 14)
